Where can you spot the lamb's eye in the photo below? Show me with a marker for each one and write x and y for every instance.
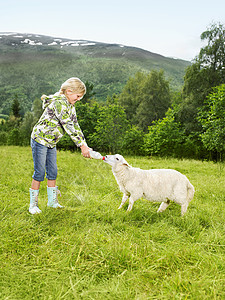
(117, 158)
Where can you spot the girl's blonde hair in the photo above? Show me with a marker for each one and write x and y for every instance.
(74, 84)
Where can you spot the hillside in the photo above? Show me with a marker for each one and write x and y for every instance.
(31, 65)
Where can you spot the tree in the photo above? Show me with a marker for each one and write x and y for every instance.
(36, 110)
(26, 128)
(131, 96)
(155, 101)
(206, 72)
(145, 98)
(16, 107)
(212, 56)
(133, 141)
(14, 137)
(29, 120)
(3, 137)
(87, 117)
(165, 137)
(212, 119)
(110, 129)
(89, 92)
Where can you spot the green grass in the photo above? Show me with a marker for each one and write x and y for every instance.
(92, 250)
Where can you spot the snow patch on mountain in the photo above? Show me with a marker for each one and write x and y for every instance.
(38, 40)
(30, 42)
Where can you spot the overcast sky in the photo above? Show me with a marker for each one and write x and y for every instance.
(170, 28)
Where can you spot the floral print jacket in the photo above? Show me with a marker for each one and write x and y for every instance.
(59, 116)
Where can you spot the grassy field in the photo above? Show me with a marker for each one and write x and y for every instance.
(92, 250)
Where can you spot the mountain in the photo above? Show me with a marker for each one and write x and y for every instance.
(31, 65)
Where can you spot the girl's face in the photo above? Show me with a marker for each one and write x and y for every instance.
(73, 97)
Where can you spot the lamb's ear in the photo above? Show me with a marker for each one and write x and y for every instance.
(124, 162)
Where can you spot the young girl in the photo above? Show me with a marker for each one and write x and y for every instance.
(59, 116)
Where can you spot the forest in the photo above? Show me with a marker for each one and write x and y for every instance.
(147, 116)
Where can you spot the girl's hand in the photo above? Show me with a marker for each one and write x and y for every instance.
(85, 151)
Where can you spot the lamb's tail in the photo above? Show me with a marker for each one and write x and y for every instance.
(190, 191)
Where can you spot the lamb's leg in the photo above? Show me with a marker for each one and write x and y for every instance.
(163, 206)
(124, 199)
(184, 208)
(131, 203)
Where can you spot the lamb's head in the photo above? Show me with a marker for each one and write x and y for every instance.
(116, 160)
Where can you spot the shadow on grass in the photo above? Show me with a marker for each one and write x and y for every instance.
(143, 215)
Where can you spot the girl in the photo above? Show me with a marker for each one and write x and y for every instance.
(59, 116)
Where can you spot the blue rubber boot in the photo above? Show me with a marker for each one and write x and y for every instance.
(53, 197)
(33, 209)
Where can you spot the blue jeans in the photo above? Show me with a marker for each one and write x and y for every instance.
(44, 160)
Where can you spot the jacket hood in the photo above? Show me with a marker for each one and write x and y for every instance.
(49, 99)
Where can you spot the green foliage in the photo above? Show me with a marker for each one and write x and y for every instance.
(4, 117)
(136, 109)
(87, 115)
(146, 98)
(17, 130)
(89, 92)
(3, 138)
(14, 137)
(92, 250)
(26, 128)
(66, 143)
(207, 71)
(28, 72)
(36, 110)
(212, 119)
(32, 71)
(11, 123)
(130, 97)
(133, 141)
(110, 129)
(16, 107)
(165, 137)
(156, 99)
(212, 56)
(106, 129)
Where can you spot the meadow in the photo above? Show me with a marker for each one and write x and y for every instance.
(92, 250)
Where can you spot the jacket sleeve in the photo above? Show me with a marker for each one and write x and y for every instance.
(69, 123)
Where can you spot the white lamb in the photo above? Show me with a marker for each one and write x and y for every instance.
(156, 185)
